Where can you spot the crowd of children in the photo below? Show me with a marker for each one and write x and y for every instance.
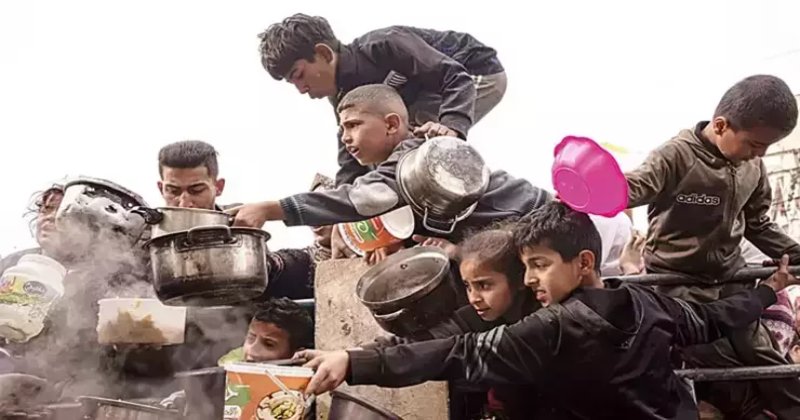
(550, 326)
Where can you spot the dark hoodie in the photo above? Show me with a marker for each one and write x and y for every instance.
(600, 354)
(700, 205)
(414, 61)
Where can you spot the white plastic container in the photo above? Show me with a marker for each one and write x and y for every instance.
(140, 321)
(27, 291)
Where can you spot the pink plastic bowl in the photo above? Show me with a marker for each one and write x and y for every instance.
(588, 178)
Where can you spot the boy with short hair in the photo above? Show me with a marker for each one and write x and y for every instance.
(448, 79)
(706, 189)
(376, 132)
(279, 328)
(591, 352)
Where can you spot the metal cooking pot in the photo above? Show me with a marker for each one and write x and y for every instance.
(165, 220)
(209, 265)
(442, 181)
(108, 409)
(410, 291)
(98, 205)
(345, 406)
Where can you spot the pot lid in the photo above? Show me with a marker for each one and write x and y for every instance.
(402, 278)
(454, 166)
(107, 184)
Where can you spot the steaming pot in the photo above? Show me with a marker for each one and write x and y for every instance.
(166, 220)
(209, 265)
(97, 205)
(108, 409)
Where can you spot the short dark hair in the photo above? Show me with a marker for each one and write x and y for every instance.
(759, 101)
(293, 39)
(289, 316)
(377, 98)
(560, 228)
(188, 154)
(495, 248)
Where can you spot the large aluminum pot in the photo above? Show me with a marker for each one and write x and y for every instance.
(209, 265)
(93, 206)
(166, 220)
(442, 180)
(345, 406)
(410, 291)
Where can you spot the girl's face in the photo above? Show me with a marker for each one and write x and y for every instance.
(489, 291)
(46, 234)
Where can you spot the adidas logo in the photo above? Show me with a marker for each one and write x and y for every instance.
(699, 199)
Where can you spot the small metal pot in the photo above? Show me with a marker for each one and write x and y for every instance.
(205, 392)
(345, 406)
(98, 205)
(410, 291)
(108, 409)
(442, 181)
(166, 220)
(209, 265)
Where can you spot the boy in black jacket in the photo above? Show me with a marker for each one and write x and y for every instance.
(449, 80)
(593, 352)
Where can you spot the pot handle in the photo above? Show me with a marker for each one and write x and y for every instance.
(427, 226)
(151, 216)
(205, 234)
(391, 316)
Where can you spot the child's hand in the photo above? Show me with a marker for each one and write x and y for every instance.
(630, 260)
(330, 369)
(434, 129)
(452, 250)
(380, 254)
(781, 278)
(339, 249)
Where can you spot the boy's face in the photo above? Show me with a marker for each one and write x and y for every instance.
(366, 135)
(488, 291)
(189, 187)
(550, 277)
(266, 341)
(315, 78)
(743, 145)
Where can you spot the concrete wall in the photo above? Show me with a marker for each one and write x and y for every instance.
(342, 322)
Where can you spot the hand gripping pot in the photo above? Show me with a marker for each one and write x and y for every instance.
(442, 180)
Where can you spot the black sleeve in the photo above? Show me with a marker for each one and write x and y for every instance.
(410, 55)
(514, 354)
(697, 323)
(450, 327)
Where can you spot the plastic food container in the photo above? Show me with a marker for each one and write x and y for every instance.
(257, 391)
(27, 290)
(588, 178)
(378, 232)
(140, 321)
